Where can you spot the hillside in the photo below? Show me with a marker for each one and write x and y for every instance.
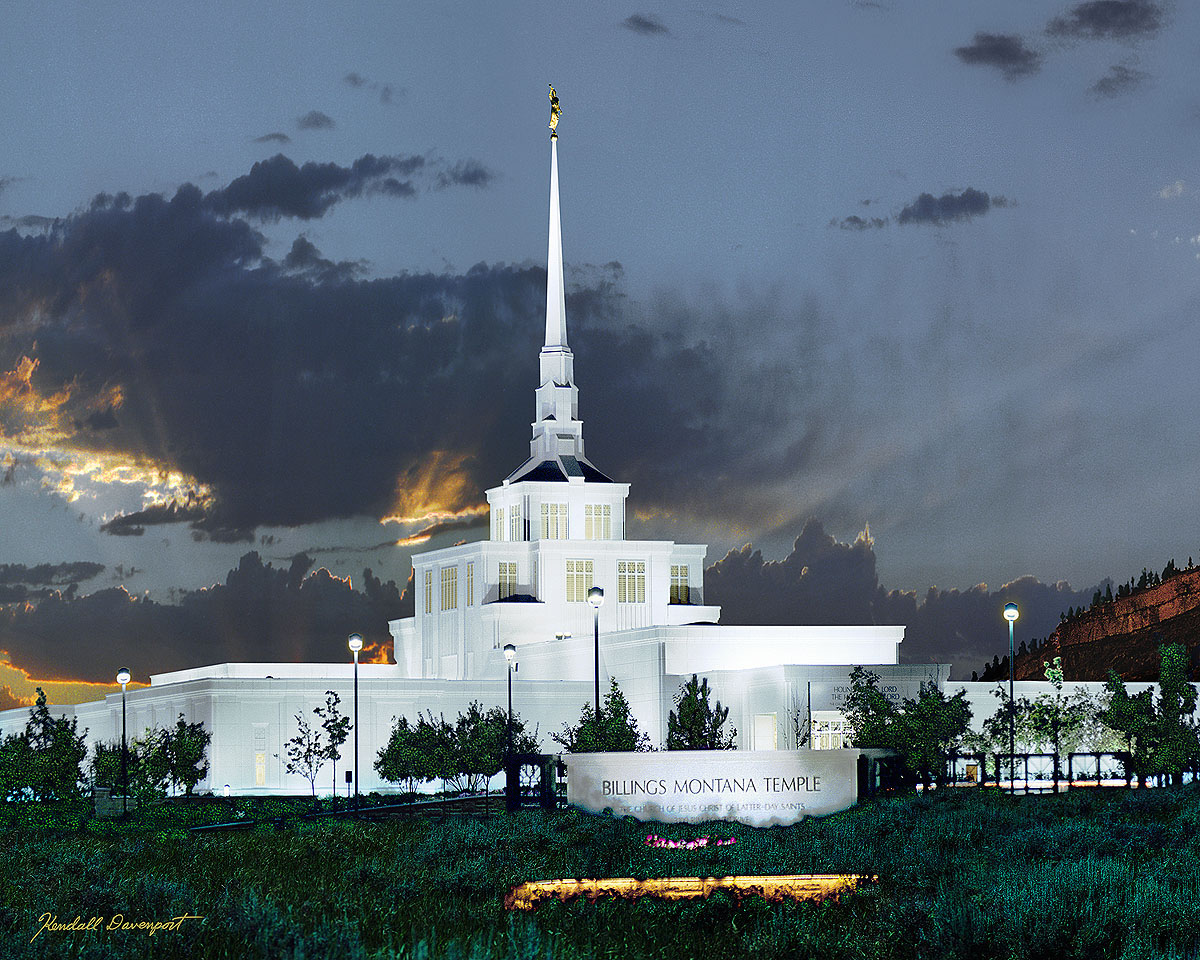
(1123, 633)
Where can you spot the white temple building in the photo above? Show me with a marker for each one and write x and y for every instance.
(557, 529)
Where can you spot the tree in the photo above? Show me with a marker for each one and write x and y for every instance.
(466, 755)
(43, 762)
(1054, 719)
(306, 753)
(149, 765)
(336, 727)
(186, 746)
(695, 724)
(617, 731)
(922, 731)
(1161, 736)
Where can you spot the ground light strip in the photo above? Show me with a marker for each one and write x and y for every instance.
(807, 886)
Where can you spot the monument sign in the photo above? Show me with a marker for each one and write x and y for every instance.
(761, 788)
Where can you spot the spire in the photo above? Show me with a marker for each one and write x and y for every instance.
(556, 450)
(556, 302)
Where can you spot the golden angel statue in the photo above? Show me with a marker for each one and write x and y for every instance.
(554, 112)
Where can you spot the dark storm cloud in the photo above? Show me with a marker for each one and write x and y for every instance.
(949, 207)
(448, 526)
(30, 222)
(260, 613)
(305, 258)
(315, 120)
(134, 524)
(278, 188)
(50, 574)
(732, 21)
(1108, 20)
(1004, 51)
(6, 182)
(824, 581)
(276, 137)
(1119, 80)
(646, 24)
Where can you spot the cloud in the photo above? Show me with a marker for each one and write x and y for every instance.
(359, 82)
(29, 222)
(275, 137)
(1108, 20)
(305, 258)
(646, 24)
(731, 21)
(315, 120)
(6, 182)
(855, 222)
(1004, 51)
(50, 574)
(278, 188)
(469, 173)
(260, 613)
(949, 207)
(1119, 80)
(823, 581)
(134, 524)
(1173, 190)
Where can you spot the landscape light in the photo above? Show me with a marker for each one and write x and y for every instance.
(355, 643)
(1010, 614)
(510, 652)
(122, 679)
(596, 598)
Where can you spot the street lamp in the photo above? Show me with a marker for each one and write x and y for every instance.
(355, 644)
(510, 653)
(1010, 614)
(122, 679)
(596, 599)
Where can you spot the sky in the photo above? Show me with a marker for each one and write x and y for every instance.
(892, 305)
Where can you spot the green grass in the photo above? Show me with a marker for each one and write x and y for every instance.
(966, 875)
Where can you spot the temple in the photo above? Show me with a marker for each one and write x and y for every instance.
(557, 530)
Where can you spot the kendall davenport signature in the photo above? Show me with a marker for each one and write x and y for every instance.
(117, 923)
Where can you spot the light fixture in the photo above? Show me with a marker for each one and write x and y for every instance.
(355, 643)
(123, 678)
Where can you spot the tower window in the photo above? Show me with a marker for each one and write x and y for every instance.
(631, 581)
(514, 524)
(429, 591)
(470, 584)
(554, 521)
(579, 580)
(597, 521)
(507, 579)
(449, 588)
(499, 512)
(679, 583)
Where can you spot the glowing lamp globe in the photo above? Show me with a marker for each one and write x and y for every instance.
(510, 651)
(1011, 612)
(596, 597)
(355, 642)
(123, 676)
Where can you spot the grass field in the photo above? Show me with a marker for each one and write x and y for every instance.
(966, 875)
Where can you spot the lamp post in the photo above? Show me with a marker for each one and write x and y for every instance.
(122, 679)
(510, 653)
(355, 643)
(1010, 614)
(596, 599)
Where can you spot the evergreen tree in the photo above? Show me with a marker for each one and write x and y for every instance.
(922, 731)
(186, 746)
(695, 723)
(43, 762)
(617, 731)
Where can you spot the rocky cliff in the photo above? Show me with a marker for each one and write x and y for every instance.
(1124, 635)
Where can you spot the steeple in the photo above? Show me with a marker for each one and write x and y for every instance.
(556, 450)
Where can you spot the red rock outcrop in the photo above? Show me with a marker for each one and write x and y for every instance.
(1124, 635)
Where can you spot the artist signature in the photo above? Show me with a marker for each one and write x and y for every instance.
(116, 923)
